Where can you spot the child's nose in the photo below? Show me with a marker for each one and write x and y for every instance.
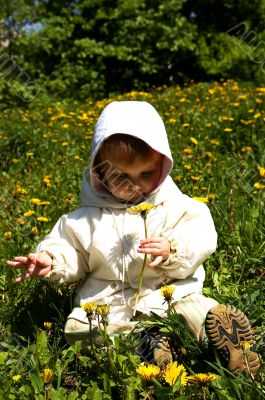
(136, 186)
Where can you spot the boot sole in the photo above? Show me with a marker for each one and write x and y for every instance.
(226, 328)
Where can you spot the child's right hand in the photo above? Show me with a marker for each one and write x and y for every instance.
(37, 265)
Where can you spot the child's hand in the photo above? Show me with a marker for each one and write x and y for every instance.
(158, 247)
(37, 265)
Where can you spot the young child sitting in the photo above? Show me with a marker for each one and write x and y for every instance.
(104, 244)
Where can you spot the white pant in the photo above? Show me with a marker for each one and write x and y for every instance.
(193, 308)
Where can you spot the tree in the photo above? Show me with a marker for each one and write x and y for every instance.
(84, 48)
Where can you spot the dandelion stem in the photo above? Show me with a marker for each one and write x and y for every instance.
(142, 269)
(139, 284)
(91, 341)
(247, 364)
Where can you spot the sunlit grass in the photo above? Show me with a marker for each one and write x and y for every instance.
(216, 133)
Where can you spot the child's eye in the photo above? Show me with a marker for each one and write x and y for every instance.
(146, 174)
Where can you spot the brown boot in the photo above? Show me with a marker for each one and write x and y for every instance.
(229, 332)
(154, 348)
(162, 352)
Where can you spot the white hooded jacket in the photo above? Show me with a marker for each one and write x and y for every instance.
(98, 242)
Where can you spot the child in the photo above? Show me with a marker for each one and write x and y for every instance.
(104, 244)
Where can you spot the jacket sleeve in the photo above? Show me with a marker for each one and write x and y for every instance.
(193, 238)
(66, 244)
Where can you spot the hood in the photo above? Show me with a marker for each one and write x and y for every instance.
(137, 118)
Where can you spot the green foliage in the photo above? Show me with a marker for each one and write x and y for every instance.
(97, 48)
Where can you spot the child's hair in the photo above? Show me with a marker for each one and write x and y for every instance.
(121, 147)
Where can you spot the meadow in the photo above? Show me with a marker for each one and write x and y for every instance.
(217, 136)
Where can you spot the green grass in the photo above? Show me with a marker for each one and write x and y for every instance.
(216, 133)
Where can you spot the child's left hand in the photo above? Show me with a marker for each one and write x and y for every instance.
(158, 247)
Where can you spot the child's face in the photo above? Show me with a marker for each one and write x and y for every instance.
(132, 182)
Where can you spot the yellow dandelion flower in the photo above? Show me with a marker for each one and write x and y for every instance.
(201, 199)
(261, 172)
(215, 142)
(196, 178)
(42, 219)
(258, 115)
(194, 140)
(44, 203)
(16, 378)
(187, 166)
(228, 130)
(259, 186)
(15, 160)
(142, 208)
(174, 371)
(177, 178)
(212, 196)
(226, 118)
(48, 375)
(35, 201)
(246, 346)
(172, 121)
(8, 234)
(187, 150)
(34, 230)
(242, 97)
(103, 310)
(47, 180)
(20, 221)
(21, 190)
(29, 213)
(167, 292)
(246, 149)
(202, 378)
(148, 372)
(247, 121)
(209, 155)
(47, 325)
(89, 308)
(185, 125)
(29, 154)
